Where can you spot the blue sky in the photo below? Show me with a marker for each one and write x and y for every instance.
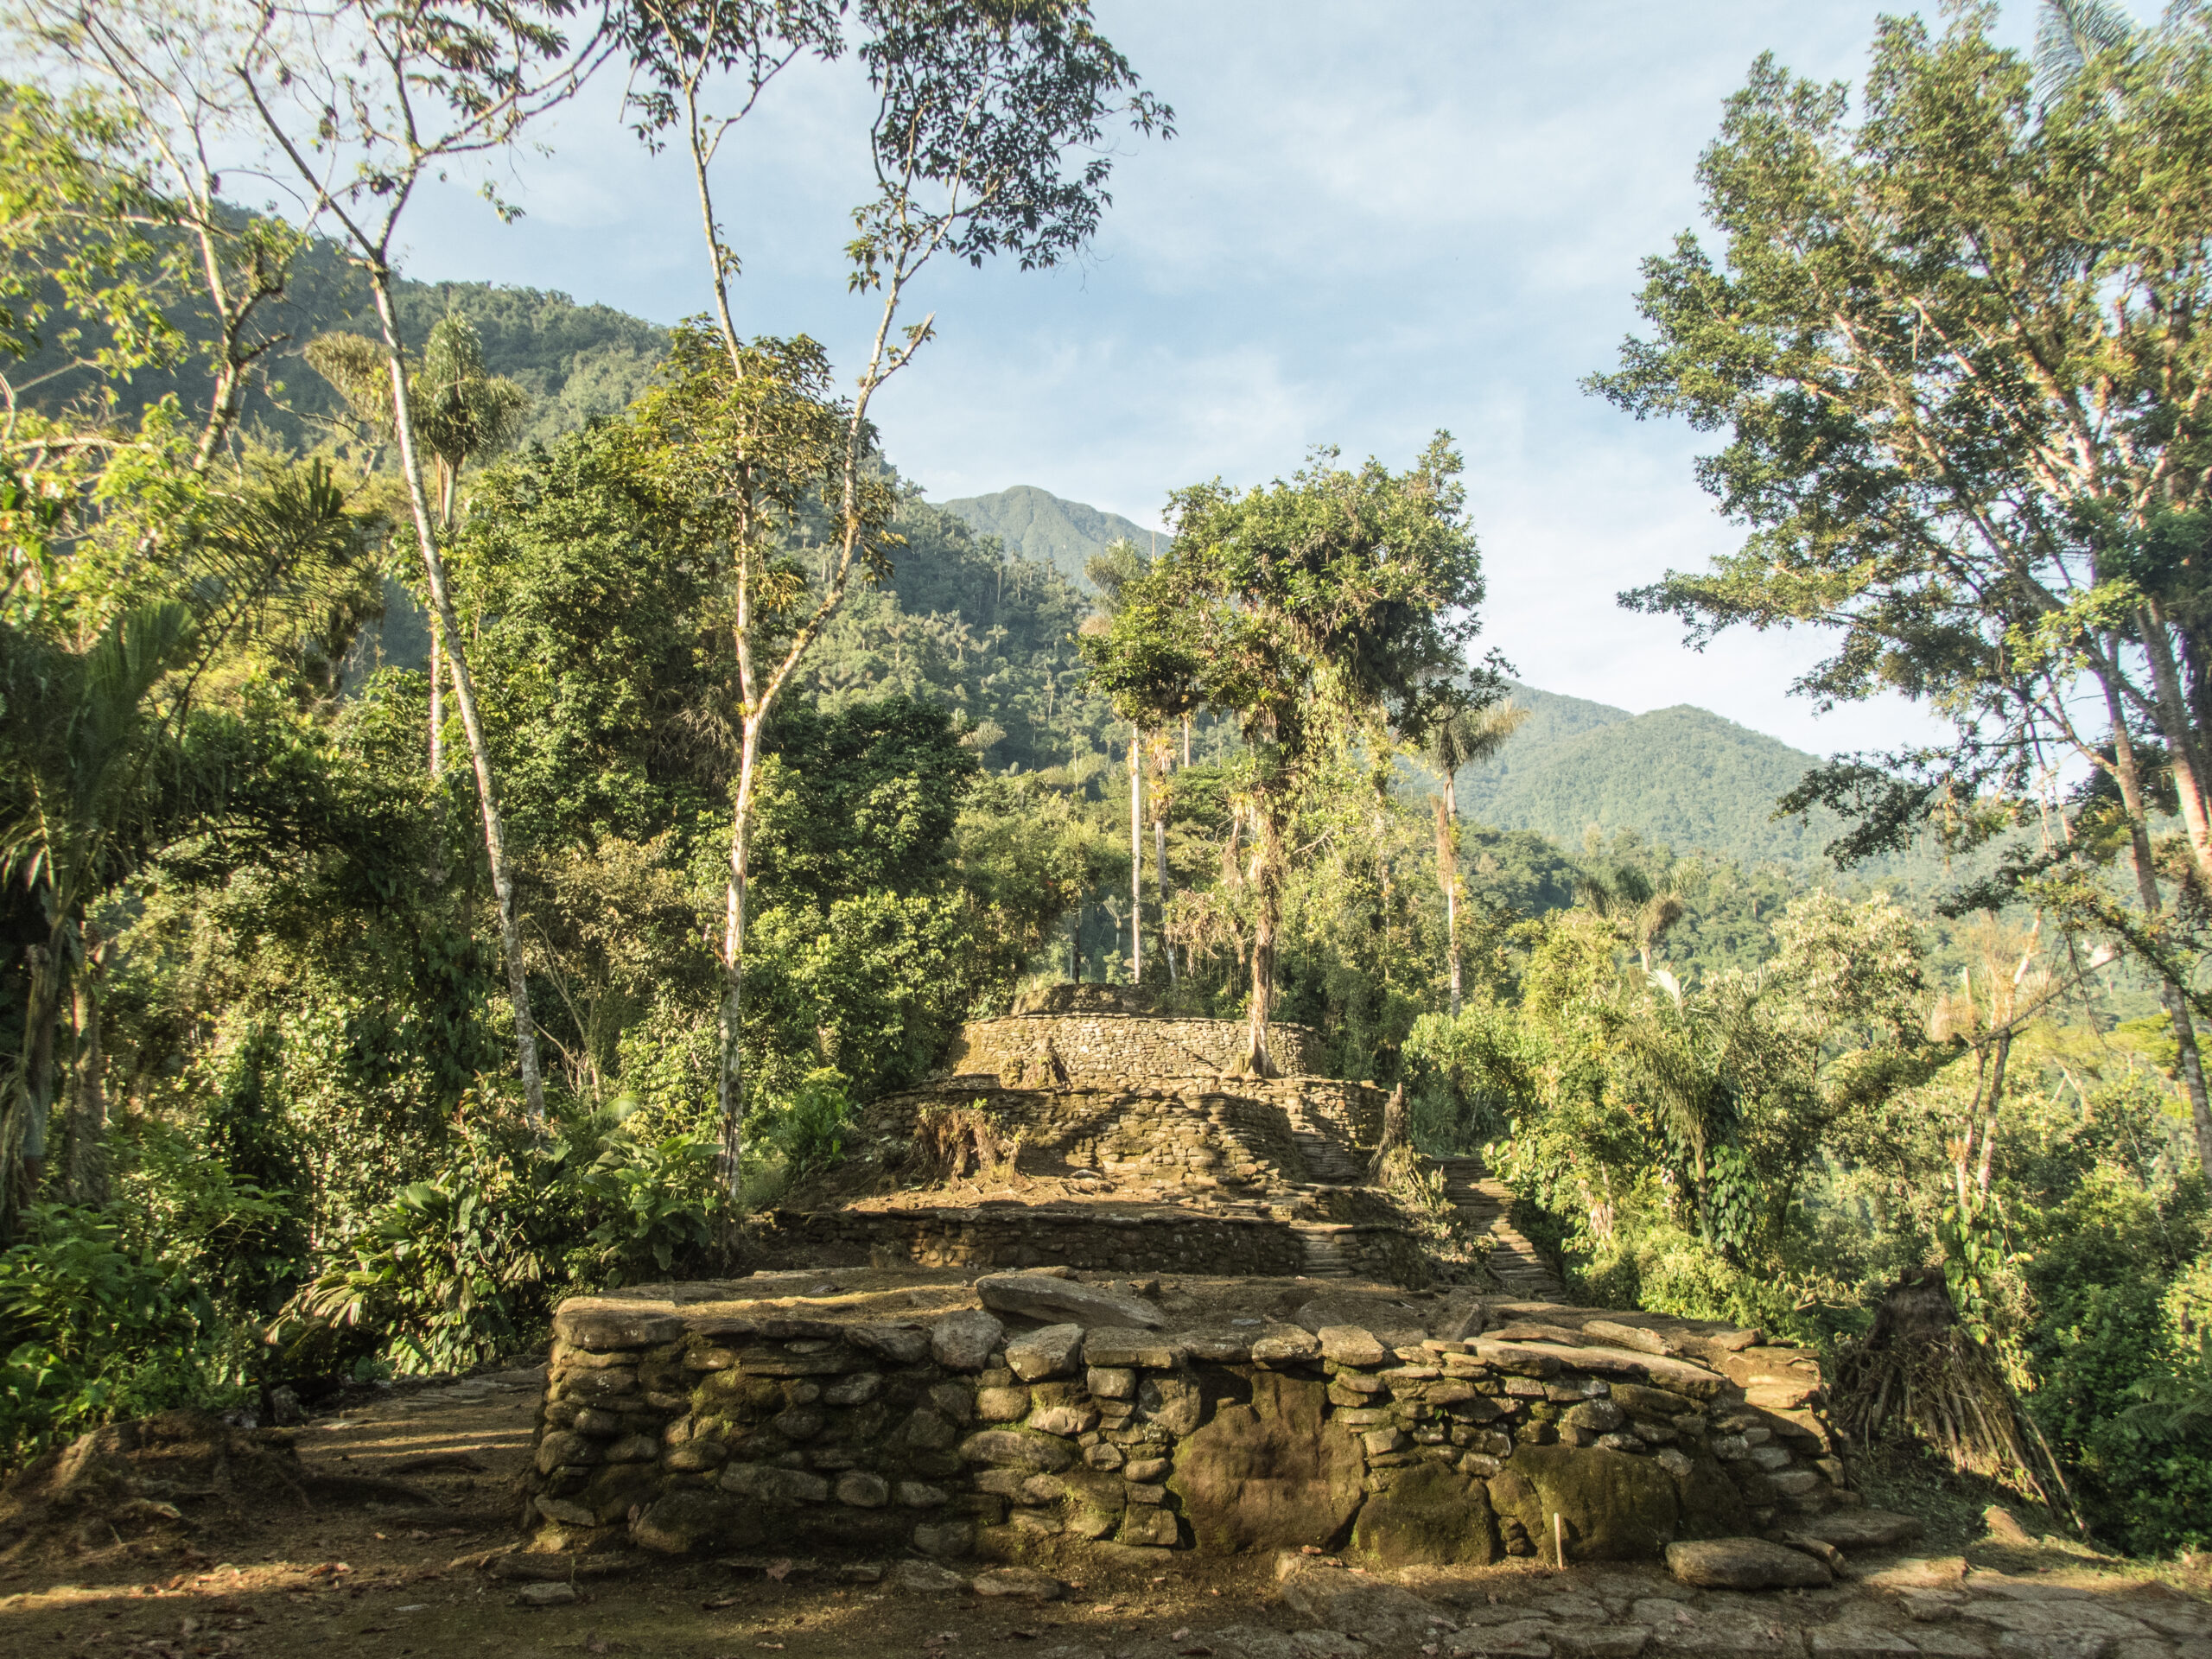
(1378, 218)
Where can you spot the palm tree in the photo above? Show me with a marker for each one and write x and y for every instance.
(1465, 740)
(1638, 914)
(2069, 33)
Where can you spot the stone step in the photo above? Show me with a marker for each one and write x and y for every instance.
(1486, 1204)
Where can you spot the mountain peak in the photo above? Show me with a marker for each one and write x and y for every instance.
(1039, 525)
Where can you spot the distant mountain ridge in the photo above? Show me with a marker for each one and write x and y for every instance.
(1683, 775)
(1039, 525)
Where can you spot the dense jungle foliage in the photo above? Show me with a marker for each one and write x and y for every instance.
(264, 1121)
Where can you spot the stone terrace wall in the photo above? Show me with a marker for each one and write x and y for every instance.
(693, 1430)
(1036, 1050)
(1096, 1241)
(1218, 1133)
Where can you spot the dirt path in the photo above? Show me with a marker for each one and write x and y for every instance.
(383, 1578)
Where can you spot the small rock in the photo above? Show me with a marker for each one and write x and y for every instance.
(946, 1538)
(545, 1595)
(1049, 1352)
(1744, 1564)
(918, 1494)
(964, 1341)
(1025, 1583)
(1352, 1345)
(1111, 1382)
(927, 1578)
(863, 1491)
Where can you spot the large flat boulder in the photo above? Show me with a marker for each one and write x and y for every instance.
(1066, 1301)
(1267, 1474)
(1745, 1564)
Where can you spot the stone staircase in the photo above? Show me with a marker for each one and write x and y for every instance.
(1327, 1161)
(1326, 1256)
(1486, 1204)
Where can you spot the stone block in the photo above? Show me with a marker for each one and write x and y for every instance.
(863, 1491)
(769, 1484)
(1352, 1345)
(903, 1345)
(597, 1325)
(1744, 1564)
(854, 1390)
(1430, 1515)
(1052, 1352)
(965, 1341)
(1112, 1382)
(1148, 1527)
(1018, 1449)
(1064, 1420)
(1002, 1405)
(1286, 1345)
(1112, 1347)
(1174, 1402)
(946, 1540)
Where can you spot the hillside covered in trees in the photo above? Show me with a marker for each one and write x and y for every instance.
(487, 800)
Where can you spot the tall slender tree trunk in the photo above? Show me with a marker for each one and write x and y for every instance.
(87, 1175)
(1447, 877)
(42, 1012)
(1160, 872)
(464, 694)
(730, 1089)
(2184, 752)
(2190, 1062)
(1267, 874)
(1136, 858)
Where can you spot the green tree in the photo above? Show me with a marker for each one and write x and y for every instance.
(982, 113)
(1464, 738)
(357, 104)
(1954, 345)
(1315, 613)
(462, 412)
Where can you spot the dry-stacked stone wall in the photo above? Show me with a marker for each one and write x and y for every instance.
(690, 1428)
(1039, 1050)
(1220, 1133)
(1076, 1236)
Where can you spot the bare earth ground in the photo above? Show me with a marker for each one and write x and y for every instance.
(394, 1579)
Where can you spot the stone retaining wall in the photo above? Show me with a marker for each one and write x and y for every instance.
(692, 1430)
(1036, 1050)
(1096, 1241)
(1221, 1133)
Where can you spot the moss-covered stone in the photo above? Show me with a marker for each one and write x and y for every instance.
(1616, 1506)
(1267, 1475)
(1431, 1516)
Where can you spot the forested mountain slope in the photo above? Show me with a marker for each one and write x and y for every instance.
(575, 361)
(1039, 525)
(1682, 775)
